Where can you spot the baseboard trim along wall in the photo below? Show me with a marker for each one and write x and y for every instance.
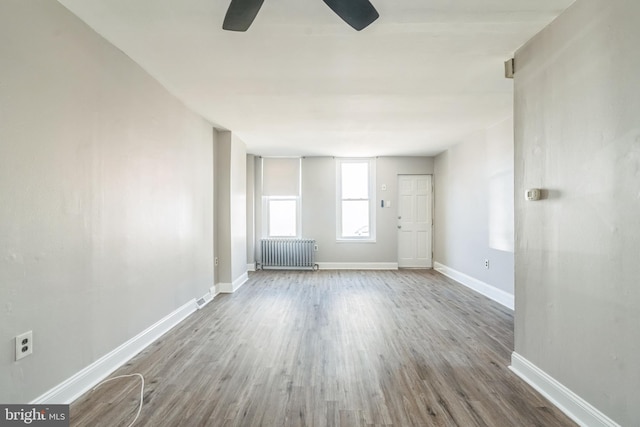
(357, 265)
(251, 267)
(75, 386)
(214, 291)
(229, 288)
(567, 401)
(498, 295)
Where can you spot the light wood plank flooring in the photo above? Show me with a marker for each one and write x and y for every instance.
(330, 348)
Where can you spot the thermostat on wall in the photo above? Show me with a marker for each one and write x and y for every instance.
(532, 194)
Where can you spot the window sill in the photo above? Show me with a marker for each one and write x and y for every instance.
(339, 240)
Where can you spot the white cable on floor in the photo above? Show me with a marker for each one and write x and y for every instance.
(141, 391)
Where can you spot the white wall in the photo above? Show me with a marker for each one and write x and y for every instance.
(474, 207)
(577, 136)
(319, 209)
(106, 198)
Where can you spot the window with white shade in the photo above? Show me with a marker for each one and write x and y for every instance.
(355, 204)
(281, 196)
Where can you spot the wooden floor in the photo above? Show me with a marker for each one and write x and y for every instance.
(330, 348)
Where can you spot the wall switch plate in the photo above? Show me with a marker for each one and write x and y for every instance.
(24, 345)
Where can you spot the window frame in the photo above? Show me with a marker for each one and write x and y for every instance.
(371, 166)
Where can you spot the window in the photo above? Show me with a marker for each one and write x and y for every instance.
(283, 217)
(355, 207)
(281, 196)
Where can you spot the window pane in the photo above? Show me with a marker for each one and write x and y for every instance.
(355, 218)
(282, 218)
(355, 180)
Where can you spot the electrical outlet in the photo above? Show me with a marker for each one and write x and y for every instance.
(215, 261)
(24, 345)
(486, 264)
(315, 248)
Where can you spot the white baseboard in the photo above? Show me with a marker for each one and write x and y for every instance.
(214, 290)
(229, 288)
(240, 281)
(498, 295)
(75, 386)
(567, 401)
(358, 265)
(251, 267)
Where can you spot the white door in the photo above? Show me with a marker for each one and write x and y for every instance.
(414, 221)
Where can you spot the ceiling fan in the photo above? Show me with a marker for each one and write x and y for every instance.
(357, 13)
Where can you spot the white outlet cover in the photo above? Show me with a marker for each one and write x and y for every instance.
(532, 194)
(24, 345)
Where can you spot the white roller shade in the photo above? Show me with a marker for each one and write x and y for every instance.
(280, 176)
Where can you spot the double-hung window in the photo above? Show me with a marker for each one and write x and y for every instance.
(355, 199)
(281, 196)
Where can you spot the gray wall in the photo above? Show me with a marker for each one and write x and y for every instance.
(231, 206)
(319, 208)
(474, 207)
(578, 136)
(238, 207)
(223, 206)
(251, 215)
(106, 198)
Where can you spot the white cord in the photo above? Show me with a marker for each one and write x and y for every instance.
(141, 391)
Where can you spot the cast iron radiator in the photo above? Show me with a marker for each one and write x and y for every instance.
(288, 254)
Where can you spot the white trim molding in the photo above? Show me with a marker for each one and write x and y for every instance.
(78, 384)
(489, 291)
(357, 265)
(214, 290)
(251, 266)
(229, 288)
(575, 407)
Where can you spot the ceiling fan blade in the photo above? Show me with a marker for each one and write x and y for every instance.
(357, 13)
(241, 14)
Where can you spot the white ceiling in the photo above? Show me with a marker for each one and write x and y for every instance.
(302, 82)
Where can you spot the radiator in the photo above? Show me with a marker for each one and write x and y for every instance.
(288, 254)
